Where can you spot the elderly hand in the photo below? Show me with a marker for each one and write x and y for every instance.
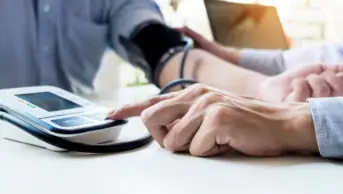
(298, 84)
(205, 121)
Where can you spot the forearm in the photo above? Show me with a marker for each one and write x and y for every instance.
(315, 127)
(298, 135)
(229, 54)
(206, 68)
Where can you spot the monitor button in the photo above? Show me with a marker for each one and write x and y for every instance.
(71, 121)
(96, 117)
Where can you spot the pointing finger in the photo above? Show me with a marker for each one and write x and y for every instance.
(136, 109)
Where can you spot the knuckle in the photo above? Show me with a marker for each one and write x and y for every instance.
(219, 110)
(151, 111)
(198, 89)
(146, 115)
(197, 85)
(153, 100)
(217, 114)
(208, 99)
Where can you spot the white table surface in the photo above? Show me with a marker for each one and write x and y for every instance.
(30, 170)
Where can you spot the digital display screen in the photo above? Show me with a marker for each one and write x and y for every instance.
(48, 101)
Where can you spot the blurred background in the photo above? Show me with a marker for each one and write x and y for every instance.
(304, 23)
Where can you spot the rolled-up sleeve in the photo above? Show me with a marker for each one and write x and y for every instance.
(126, 15)
(273, 62)
(268, 62)
(327, 114)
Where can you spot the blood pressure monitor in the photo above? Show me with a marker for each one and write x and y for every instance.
(60, 121)
(54, 110)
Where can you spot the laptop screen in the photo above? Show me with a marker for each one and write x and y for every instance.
(245, 25)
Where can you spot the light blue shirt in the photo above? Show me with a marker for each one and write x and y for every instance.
(63, 44)
(327, 113)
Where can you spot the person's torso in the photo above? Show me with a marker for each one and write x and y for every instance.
(60, 42)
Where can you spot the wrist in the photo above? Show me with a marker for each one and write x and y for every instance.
(299, 134)
(231, 54)
(255, 83)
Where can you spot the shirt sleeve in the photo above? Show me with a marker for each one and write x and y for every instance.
(127, 15)
(328, 123)
(273, 62)
(269, 62)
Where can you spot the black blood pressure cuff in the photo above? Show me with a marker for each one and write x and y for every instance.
(151, 46)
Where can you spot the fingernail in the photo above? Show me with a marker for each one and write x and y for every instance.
(111, 117)
(110, 114)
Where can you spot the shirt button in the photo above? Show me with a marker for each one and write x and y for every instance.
(46, 48)
(46, 8)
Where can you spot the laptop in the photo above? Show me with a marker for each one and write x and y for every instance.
(245, 25)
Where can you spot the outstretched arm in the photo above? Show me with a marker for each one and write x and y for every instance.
(204, 67)
(271, 62)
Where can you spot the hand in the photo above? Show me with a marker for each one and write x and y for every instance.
(200, 41)
(212, 47)
(298, 84)
(327, 84)
(205, 122)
